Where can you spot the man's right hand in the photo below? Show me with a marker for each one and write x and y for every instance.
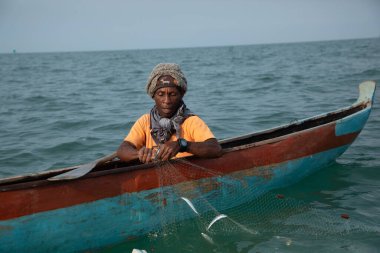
(146, 155)
(128, 152)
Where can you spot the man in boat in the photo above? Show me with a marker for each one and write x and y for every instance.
(170, 129)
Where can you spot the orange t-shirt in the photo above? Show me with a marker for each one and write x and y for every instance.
(193, 129)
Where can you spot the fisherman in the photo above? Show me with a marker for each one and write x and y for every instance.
(170, 129)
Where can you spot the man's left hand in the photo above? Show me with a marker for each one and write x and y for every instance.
(168, 150)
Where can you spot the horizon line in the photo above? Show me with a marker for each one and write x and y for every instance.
(14, 51)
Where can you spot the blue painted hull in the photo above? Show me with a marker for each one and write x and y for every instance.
(113, 220)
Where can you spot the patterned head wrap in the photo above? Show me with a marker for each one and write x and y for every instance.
(162, 69)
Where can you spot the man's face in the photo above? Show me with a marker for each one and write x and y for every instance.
(167, 101)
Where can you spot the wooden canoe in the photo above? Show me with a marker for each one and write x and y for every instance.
(119, 201)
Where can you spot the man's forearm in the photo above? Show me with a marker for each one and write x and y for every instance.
(206, 149)
(126, 152)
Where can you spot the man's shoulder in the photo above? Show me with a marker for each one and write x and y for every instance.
(195, 129)
(194, 119)
(144, 119)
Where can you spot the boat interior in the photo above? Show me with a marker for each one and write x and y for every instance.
(294, 127)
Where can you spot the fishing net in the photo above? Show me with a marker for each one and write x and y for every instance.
(200, 205)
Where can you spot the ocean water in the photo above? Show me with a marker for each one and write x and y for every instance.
(62, 109)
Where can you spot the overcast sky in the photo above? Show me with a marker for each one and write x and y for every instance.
(83, 25)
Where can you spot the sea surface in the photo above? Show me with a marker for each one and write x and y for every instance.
(63, 109)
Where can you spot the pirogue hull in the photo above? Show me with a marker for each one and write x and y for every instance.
(113, 204)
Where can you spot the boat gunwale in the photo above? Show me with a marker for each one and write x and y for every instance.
(237, 143)
(350, 110)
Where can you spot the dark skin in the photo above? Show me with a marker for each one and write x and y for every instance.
(168, 100)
